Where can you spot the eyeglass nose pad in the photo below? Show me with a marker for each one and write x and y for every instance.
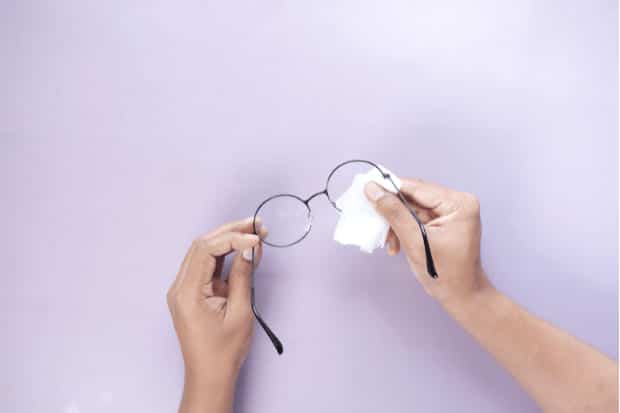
(335, 206)
(309, 223)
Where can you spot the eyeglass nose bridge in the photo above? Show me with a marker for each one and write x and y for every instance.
(311, 197)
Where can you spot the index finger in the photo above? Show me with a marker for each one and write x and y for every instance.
(203, 253)
(440, 200)
(242, 225)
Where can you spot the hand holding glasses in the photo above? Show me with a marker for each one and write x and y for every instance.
(289, 219)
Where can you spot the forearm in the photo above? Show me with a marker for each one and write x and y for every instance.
(208, 394)
(561, 373)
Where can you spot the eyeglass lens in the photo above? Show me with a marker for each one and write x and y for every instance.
(287, 217)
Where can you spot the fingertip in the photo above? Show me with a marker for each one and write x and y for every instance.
(247, 254)
(257, 222)
(251, 237)
(248, 241)
(239, 281)
(263, 232)
(391, 249)
(393, 243)
(373, 191)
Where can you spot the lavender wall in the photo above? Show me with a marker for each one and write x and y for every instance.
(127, 128)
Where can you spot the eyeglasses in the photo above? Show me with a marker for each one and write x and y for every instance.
(289, 219)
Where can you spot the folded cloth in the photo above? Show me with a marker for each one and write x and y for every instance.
(359, 223)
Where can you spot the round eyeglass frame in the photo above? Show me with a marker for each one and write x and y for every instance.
(306, 201)
(309, 219)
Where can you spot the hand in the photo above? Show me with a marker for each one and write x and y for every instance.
(213, 317)
(533, 351)
(452, 221)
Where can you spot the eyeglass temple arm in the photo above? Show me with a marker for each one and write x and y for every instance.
(274, 339)
(430, 264)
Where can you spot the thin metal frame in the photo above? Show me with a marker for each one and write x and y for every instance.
(430, 264)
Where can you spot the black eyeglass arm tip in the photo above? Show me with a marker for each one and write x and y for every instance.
(277, 344)
(274, 339)
(430, 264)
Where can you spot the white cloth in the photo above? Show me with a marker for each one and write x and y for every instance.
(359, 223)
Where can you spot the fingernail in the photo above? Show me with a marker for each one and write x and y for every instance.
(374, 192)
(247, 255)
(251, 237)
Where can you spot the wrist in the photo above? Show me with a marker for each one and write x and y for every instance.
(210, 374)
(211, 389)
(479, 292)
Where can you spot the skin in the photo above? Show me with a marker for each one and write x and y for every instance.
(213, 318)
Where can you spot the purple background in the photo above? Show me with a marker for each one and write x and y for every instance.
(129, 127)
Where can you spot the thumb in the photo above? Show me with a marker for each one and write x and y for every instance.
(240, 283)
(397, 215)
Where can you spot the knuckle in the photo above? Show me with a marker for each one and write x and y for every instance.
(197, 242)
(471, 202)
